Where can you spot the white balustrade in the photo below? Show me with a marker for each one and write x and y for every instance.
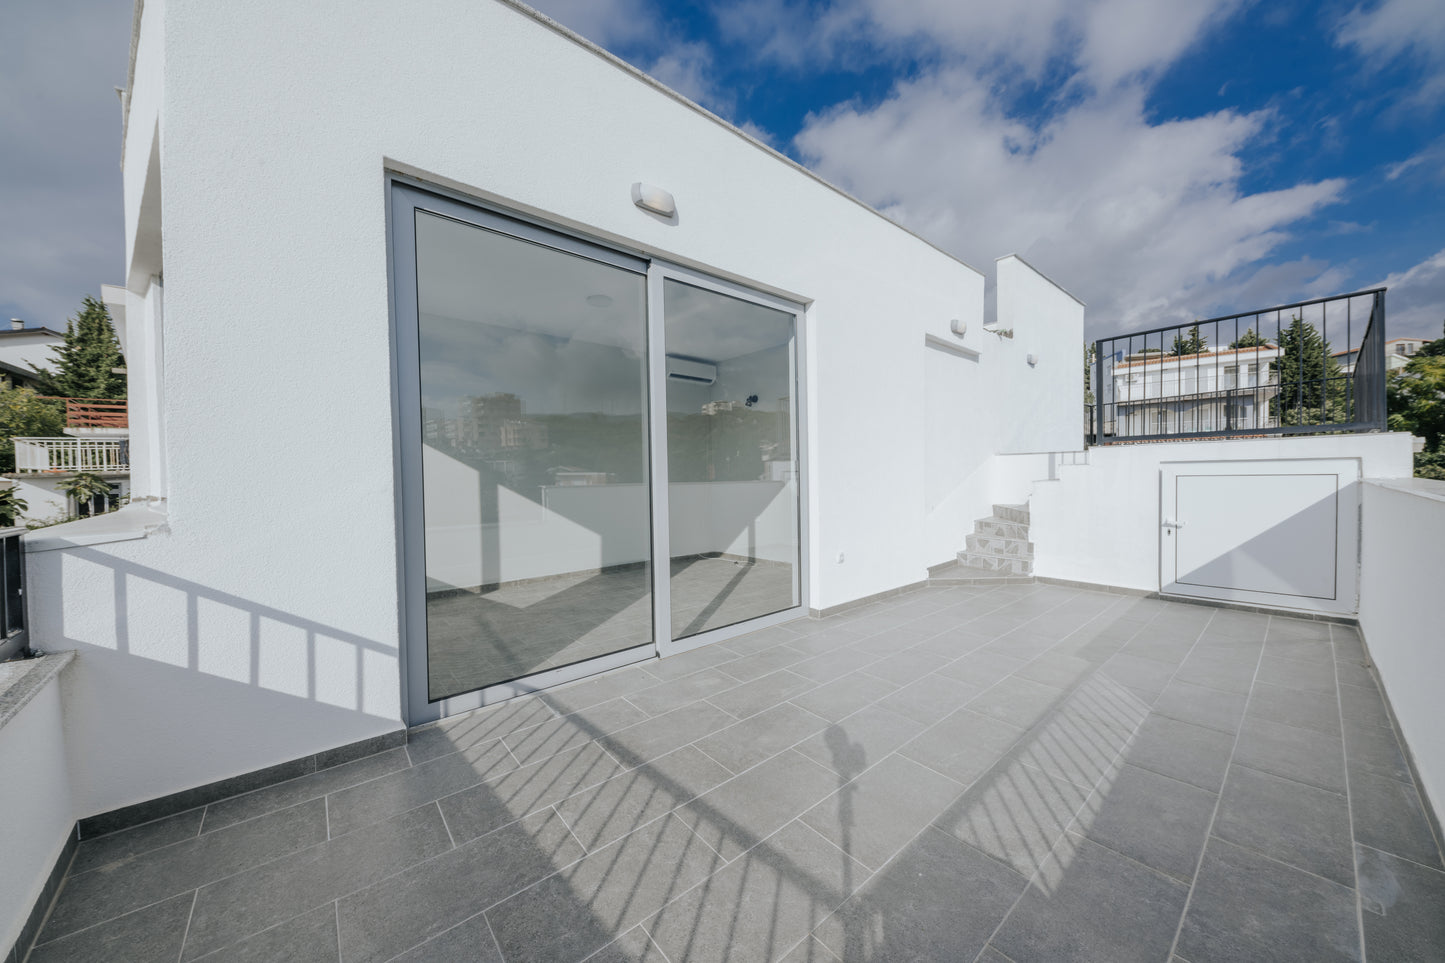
(100, 455)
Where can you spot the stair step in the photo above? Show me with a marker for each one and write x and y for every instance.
(1012, 513)
(957, 573)
(999, 545)
(1012, 565)
(1001, 528)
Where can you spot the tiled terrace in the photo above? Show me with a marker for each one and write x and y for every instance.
(1010, 772)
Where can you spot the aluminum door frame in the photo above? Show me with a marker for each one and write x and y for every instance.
(405, 195)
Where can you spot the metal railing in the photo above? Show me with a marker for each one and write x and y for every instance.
(14, 638)
(52, 455)
(96, 413)
(1266, 372)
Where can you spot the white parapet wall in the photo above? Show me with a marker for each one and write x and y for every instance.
(1099, 521)
(1403, 570)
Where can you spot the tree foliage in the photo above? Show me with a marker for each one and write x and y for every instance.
(1249, 340)
(1416, 403)
(85, 365)
(25, 415)
(1312, 387)
(1194, 343)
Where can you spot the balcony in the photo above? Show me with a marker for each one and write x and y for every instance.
(65, 455)
(1007, 772)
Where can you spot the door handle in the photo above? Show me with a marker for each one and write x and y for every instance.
(1171, 523)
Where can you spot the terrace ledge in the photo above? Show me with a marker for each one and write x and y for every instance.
(129, 522)
(21, 681)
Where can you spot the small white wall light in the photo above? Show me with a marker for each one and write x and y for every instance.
(958, 327)
(654, 199)
(1033, 359)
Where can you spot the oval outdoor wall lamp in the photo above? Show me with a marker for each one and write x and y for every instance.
(654, 199)
(958, 327)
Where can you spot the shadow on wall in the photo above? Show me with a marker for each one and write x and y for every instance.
(721, 867)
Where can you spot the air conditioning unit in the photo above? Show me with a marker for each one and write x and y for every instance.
(697, 372)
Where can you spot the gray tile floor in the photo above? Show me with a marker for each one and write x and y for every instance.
(1013, 772)
(518, 628)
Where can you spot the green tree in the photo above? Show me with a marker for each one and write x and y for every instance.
(85, 365)
(1195, 343)
(83, 487)
(1311, 385)
(11, 505)
(23, 414)
(1416, 403)
(1249, 340)
(1089, 353)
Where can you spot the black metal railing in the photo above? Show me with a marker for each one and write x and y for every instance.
(14, 637)
(1266, 372)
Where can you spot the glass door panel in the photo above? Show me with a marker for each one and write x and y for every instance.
(733, 515)
(532, 370)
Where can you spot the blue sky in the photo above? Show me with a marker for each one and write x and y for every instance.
(1162, 160)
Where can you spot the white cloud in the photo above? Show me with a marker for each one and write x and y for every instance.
(1107, 41)
(1415, 301)
(1401, 28)
(1146, 222)
(688, 69)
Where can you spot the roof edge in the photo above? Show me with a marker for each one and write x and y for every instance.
(1041, 274)
(626, 67)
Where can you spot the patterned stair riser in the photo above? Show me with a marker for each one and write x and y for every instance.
(999, 545)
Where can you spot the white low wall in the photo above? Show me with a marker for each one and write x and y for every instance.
(1403, 564)
(1099, 522)
(36, 810)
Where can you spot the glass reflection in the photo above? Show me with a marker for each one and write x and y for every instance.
(733, 480)
(534, 456)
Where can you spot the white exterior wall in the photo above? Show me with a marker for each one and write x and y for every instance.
(262, 623)
(1403, 556)
(1099, 522)
(43, 499)
(36, 803)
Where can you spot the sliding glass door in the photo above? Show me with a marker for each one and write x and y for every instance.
(538, 375)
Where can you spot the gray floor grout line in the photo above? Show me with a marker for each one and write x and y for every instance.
(1349, 804)
(186, 933)
(453, 839)
(568, 826)
(1404, 859)
(336, 915)
(490, 932)
(1219, 800)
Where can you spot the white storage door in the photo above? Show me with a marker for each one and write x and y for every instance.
(1277, 533)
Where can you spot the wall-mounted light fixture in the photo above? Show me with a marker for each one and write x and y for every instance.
(959, 328)
(652, 198)
(1033, 359)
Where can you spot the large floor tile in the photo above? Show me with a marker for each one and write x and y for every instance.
(844, 696)
(747, 743)
(1310, 676)
(467, 942)
(930, 698)
(634, 798)
(227, 812)
(648, 740)
(914, 909)
(760, 905)
(964, 745)
(1018, 701)
(1294, 707)
(574, 729)
(119, 888)
(238, 906)
(753, 697)
(875, 815)
(1246, 906)
(1090, 903)
(1202, 706)
(308, 938)
(1289, 821)
(746, 809)
(398, 913)
(103, 850)
(1189, 753)
(1390, 816)
(405, 790)
(849, 746)
(1377, 750)
(1402, 907)
(152, 933)
(570, 915)
(1015, 814)
(1160, 822)
(1305, 755)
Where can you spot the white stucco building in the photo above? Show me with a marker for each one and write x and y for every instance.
(576, 375)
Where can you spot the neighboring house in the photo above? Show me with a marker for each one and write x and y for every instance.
(1398, 352)
(1212, 391)
(23, 349)
(96, 442)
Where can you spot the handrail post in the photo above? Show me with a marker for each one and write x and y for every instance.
(1099, 392)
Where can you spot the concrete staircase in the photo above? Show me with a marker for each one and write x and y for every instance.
(997, 548)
